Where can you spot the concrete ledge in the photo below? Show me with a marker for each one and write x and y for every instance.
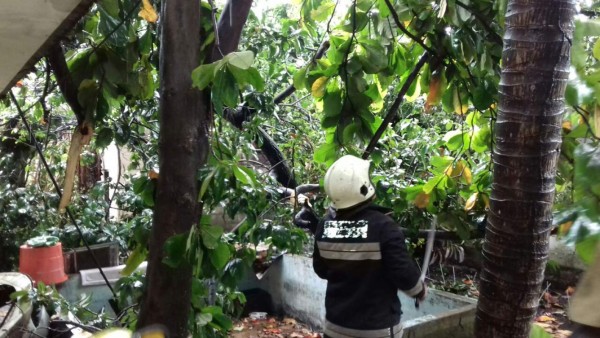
(298, 292)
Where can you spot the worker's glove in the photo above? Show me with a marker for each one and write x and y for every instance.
(306, 218)
(420, 297)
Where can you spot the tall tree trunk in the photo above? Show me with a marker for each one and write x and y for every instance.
(535, 64)
(183, 148)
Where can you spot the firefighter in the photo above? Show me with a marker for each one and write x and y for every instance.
(361, 253)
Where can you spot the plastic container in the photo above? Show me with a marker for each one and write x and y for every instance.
(43, 264)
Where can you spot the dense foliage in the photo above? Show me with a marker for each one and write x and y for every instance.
(434, 159)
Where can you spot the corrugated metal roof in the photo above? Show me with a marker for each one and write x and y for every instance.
(28, 28)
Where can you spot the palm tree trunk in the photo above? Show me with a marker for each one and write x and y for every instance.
(535, 64)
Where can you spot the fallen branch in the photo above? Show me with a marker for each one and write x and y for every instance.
(57, 62)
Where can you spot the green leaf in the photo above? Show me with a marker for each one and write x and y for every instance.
(220, 256)
(225, 90)
(300, 78)
(581, 131)
(249, 76)
(323, 11)
(482, 99)
(481, 140)
(202, 319)
(244, 175)
(203, 75)
(117, 34)
(102, 108)
(384, 10)
(332, 103)
(242, 60)
(372, 57)
(349, 132)
(326, 153)
(87, 95)
(454, 140)
(104, 137)
(436, 181)
(538, 332)
(206, 183)
(596, 50)
(134, 260)
(199, 292)
(139, 184)
(148, 193)
(17, 295)
(175, 248)
(211, 234)
(586, 27)
(441, 162)
(111, 7)
(586, 249)
(571, 94)
(222, 321)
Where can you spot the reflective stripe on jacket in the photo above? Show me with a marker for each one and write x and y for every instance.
(363, 257)
(336, 331)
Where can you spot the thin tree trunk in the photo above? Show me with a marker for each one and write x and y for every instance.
(535, 64)
(183, 148)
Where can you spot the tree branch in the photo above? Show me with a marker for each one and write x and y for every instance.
(229, 29)
(291, 89)
(394, 108)
(280, 167)
(405, 31)
(57, 62)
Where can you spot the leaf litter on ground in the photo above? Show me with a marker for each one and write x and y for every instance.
(271, 327)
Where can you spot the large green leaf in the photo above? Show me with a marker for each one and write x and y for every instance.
(134, 260)
(242, 60)
(326, 153)
(586, 249)
(206, 183)
(219, 320)
(104, 137)
(538, 332)
(220, 256)
(111, 7)
(203, 75)
(244, 175)
(117, 34)
(211, 235)
(372, 57)
(300, 78)
(332, 104)
(225, 90)
(249, 76)
(175, 248)
(482, 99)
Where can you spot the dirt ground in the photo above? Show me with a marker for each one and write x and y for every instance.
(271, 328)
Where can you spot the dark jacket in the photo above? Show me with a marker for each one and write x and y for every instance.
(363, 257)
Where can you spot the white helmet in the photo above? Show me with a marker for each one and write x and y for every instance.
(347, 182)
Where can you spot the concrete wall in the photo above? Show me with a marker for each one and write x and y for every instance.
(298, 292)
